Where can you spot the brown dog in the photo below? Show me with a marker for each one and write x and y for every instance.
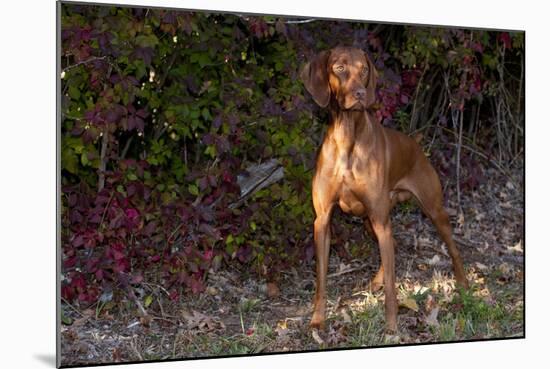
(366, 169)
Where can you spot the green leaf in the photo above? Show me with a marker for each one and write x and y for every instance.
(193, 189)
(74, 92)
(84, 158)
(65, 319)
(195, 113)
(147, 40)
(211, 150)
(185, 110)
(204, 60)
(148, 301)
(206, 114)
(69, 160)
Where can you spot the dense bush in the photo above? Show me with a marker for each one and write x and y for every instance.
(161, 110)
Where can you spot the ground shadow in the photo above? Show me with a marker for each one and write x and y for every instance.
(48, 359)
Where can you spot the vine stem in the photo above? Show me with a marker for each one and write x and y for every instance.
(103, 161)
(458, 151)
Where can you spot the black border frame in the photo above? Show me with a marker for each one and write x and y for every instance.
(58, 45)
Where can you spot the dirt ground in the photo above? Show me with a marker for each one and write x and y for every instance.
(236, 315)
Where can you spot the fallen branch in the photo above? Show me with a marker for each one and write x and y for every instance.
(261, 176)
(345, 271)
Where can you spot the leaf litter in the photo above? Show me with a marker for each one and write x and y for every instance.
(489, 234)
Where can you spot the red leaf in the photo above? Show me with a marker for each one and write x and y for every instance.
(174, 295)
(196, 285)
(504, 37)
(118, 255)
(99, 274)
(78, 241)
(136, 279)
(208, 254)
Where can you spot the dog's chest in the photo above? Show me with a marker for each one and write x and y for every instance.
(350, 165)
(354, 175)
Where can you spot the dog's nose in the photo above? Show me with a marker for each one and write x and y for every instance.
(360, 93)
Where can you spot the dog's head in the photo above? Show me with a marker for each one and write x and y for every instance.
(344, 74)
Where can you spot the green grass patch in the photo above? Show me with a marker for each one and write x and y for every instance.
(470, 316)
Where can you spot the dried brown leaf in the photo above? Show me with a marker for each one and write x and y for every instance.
(202, 322)
(273, 290)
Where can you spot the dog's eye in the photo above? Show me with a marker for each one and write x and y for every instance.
(339, 68)
(364, 71)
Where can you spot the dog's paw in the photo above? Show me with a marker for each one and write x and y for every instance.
(392, 338)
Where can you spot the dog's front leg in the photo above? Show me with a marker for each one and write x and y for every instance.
(323, 193)
(382, 228)
(322, 249)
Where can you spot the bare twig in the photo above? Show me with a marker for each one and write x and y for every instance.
(134, 347)
(64, 114)
(412, 124)
(126, 147)
(173, 57)
(185, 151)
(174, 232)
(173, 321)
(458, 150)
(92, 59)
(105, 210)
(133, 297)
(71, 306)
(103, 161)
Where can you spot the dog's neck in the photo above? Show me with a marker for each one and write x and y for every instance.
(349, 128)
(348, 125)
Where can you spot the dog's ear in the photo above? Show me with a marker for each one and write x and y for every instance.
(314, 75)
(371, 82)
